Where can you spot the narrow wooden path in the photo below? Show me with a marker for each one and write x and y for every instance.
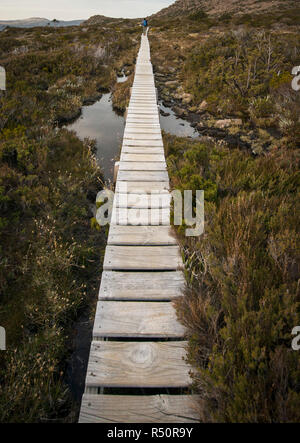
(138, 343)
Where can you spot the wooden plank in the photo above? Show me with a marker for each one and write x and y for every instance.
(136, 320)
(159, 286)
(138, 365)
(142, 97)
(125, 157)
(142, 258)
(137, 130)
(143, 110)
(151, 112)
(150, 143)
(139, 409)
(142, 150)
(147, 147)
(142, 187)
(150, 176)
(155, 200)
(141, 235)
(128, 136)
(142, 166)
(141, 125)
(142, 122)
(142, 118)
(146, 107)
(142, 101)
(142, 115)
(140, 216)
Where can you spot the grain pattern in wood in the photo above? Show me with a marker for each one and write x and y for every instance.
(144, 176)
(160, 286)
(155, 200)
(142, 258)
(139, 409)
(140, 236)
(136, 320)
(142, 187)
(143, 143)
(140, 216)
(142, 166)
(138, 365)
(125, 157)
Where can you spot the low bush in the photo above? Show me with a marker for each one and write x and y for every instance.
(242, 298)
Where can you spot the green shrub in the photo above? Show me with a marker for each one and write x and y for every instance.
(242, 298)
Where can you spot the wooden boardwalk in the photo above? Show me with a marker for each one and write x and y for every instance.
(138, 343)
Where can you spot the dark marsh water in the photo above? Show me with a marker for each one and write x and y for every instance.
(99, 121)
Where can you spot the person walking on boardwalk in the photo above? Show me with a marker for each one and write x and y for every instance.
(145, 26)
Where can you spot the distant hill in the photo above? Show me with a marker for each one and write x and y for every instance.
(219, 7)
(37, 21)
(100, 20)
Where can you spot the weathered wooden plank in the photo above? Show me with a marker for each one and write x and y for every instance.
(142, 166)
(125, 157)
(142, 258)
(142, 122)
(137, 130)
(140, 216)
(142, 125)
(145, 106)
(153, 111)
(144, 143)
(148, 120)
(136, 320)
(150, 176)
(155, 200)
(128, 136)
(143, 109)
(160, 286)
(135, 110)
(138, 115)
(142, 118)
(139, 409)
(140, 236)
(142, 187)
(142, 150)
(137, 365)
(144, 97)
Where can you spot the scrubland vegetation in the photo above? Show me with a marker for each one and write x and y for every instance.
(242, 297)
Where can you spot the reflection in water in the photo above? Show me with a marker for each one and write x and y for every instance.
(99, 121)
(176, 126)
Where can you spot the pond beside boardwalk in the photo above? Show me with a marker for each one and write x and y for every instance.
(100, 122)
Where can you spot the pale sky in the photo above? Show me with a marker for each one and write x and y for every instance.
(79, 9)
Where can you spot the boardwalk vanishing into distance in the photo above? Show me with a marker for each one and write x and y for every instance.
(136, 370)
